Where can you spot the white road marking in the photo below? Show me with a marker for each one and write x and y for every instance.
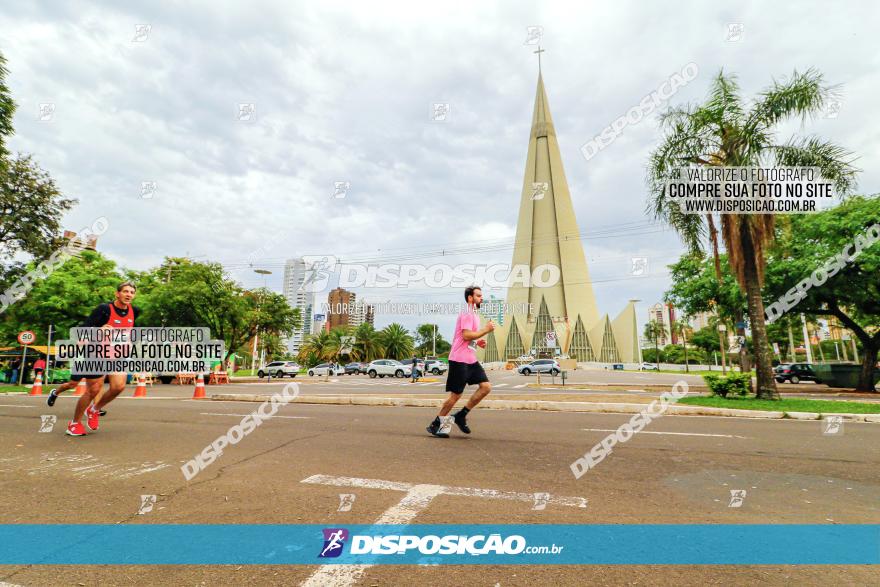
(83, 465)
(273, 417)
(14, 406)
(520, 386)
(415, 500)
(500, 385)
(668, 433)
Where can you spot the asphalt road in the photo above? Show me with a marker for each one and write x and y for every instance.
(679, 470)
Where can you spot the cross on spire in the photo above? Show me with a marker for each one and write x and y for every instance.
(538, 53)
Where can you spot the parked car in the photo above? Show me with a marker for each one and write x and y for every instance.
(388, 367)
(649, 367)
(436, 367)
(325, 369)
(279, 369)
(355, 368)
(420, 368)
(539, 366)
(795, 373)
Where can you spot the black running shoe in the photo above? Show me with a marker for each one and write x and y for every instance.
(461, 421)
(52, 397)
(102, 412)
(434, 428)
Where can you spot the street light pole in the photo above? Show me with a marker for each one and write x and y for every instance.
(264, 273)
(721, 330)
(807, 339)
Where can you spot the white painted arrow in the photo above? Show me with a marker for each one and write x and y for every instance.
(417, 497)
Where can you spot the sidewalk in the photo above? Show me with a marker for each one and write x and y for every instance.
(598, 404)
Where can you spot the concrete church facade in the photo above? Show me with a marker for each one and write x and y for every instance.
(547, 234)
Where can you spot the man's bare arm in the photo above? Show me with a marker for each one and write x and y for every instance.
(470, 335)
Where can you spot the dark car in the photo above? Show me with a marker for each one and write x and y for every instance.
(795, 373)
(355, 368)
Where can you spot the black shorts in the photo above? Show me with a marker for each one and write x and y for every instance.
(464, 374)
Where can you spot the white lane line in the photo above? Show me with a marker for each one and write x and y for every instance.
(15, 406)
(669, 433)
(520, 386)
(415, 500)
(240, 415)
(500, 385)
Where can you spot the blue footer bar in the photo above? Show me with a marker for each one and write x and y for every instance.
(636, 544)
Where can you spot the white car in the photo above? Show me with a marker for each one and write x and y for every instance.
(436, 367)
(388, 367)
(326, 369)
(279, 369)
(540, 366)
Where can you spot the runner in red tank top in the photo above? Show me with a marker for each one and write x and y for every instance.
(117, 314)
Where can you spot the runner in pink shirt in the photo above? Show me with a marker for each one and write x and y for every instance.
(464, 369)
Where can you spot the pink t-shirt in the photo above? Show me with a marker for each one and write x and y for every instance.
(461, 352)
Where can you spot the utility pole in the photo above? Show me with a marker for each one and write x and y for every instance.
(721, 330)
(807, 339)
(434, 342)
(791, 344)
(49, 356)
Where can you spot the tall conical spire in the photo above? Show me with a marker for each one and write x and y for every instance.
(547, 231)
(547, 234)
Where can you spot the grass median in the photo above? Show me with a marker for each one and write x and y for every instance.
(785, 405)
(17, 388)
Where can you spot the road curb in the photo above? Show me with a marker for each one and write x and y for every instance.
(549, 406)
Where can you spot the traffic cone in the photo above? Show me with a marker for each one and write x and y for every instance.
(141, 389)
(37, 389)
(80, 388)
(199, 392)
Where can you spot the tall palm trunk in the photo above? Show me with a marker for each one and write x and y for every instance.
(763, 359)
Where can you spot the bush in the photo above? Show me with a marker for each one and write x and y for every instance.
(733, 384)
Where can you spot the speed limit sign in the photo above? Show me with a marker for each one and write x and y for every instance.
(26, 337)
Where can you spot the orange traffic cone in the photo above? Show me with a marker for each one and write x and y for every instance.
(80, 388)
(37, 389)
(199, 392)
(141, 389)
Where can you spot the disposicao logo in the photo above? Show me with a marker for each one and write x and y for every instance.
(334, 540)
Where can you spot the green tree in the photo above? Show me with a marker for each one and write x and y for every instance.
(64, 299)
(706, 339)
(32, 209)
(396, 342)
(681, 329)
(724, 132)
(337, 343)
(316, 348)
(697, 288)
(187, 293)
(852, 295)
(7, 112)
(367, 343)
(654, 331)
(427, 337)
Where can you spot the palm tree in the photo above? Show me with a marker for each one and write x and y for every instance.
(336, 343)
(317, 347)
(367, 344)
(654, 331)
(396, 341)
(723, 131)
(682, 329)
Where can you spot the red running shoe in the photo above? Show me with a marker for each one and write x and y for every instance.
(92, 417)
(76, 429)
